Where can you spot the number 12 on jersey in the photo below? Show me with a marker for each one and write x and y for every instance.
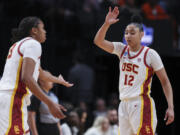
(128, 80)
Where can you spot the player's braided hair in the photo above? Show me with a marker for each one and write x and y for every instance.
(137, 21)
(24, 28)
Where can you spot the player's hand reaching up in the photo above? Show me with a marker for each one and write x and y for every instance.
(63, 82)
(111, 17)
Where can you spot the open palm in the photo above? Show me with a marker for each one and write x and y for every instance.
(64, 82)
(111, 17)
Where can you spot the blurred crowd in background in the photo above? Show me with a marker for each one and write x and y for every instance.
(71, 26)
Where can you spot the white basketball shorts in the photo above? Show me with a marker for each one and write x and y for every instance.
(13, 114)
(137, 116)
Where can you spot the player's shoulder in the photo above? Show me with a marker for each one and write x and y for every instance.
(33, 41)
(28, 40)
(150, 51)
(29, 43)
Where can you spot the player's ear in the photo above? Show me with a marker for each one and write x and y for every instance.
(34, 31)
(141, 34)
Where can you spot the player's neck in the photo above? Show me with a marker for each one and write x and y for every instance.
(34, 37)
(135, 49)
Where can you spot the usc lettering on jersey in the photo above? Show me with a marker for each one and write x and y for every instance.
(135, 75)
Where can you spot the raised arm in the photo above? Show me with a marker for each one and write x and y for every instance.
(99, 39)
(166, 85)
(47, 76)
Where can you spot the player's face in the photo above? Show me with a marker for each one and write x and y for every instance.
(133, 35)
(40, 32)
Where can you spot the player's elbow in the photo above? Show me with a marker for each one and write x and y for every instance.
(25, 79)
(97, 42)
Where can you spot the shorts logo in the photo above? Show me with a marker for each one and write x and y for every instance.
(148, 130)
(16, 129)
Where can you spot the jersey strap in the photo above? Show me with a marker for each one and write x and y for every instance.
(123, 51)
(145, 55)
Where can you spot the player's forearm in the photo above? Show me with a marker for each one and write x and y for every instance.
(47, 76)
(36, 90)
(168, 93)
(100, 35)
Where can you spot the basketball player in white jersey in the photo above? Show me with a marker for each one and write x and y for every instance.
(137, 114)
(21, 71)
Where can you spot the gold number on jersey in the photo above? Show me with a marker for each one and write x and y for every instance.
(10, 51)
(128, 80)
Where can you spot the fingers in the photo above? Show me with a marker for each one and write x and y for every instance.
(116, 10)
(170, 120)
(62, 108)
(67, 84)
(165, 118)
(109, 9)
(55, 110)
(59, 114)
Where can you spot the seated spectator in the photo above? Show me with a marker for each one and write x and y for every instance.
(100, 109)
(100, 127)
(83, 119)
(120, 2)
(112, 116)
(131, 7)
(153, 11)
(71, 124)
(41, 121)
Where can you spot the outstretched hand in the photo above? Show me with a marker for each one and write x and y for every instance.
(63, 82)
(111, 16)
(169, 116)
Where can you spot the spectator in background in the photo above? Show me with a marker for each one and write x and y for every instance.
(153, 11)
(131, 7)
(41, 121)
(112, 116)
(100, 127)
(121, 2)
(83, 76)
(83, 119)
(71, 124)
(100, 109)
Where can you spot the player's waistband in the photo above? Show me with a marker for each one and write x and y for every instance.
(133, 98)
(6, 91)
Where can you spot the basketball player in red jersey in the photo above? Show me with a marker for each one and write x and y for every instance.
(137, 114)
(21, 71)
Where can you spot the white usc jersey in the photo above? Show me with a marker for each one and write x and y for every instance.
(135, 74)
(27, 47)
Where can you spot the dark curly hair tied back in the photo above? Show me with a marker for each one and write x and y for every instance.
(137, 21)
(24, 28)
